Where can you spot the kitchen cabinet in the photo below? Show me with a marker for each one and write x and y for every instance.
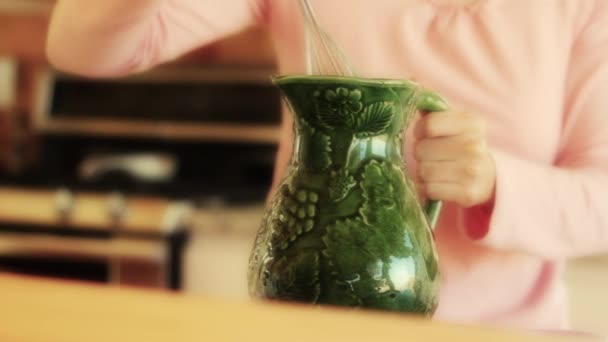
(94, 237)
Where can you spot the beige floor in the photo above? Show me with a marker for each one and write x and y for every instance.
(216, 264)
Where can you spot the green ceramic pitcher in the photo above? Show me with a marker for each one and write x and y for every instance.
(345, 226)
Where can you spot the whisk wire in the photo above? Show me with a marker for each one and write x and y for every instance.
(331, 60)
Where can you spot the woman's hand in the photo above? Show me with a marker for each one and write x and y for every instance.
(454, 163)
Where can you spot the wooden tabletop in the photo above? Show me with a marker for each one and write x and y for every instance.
(45, 310)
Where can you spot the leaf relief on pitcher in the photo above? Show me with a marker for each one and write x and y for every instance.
(385, 205)
(374, 119)
(316, 151)
(376, 236)
(379, 193)
(294, 277)
(266, 228)
(344, 108)
(261, 245)
(386, 194)
(340, 184)
(337, 107)
(295, 216)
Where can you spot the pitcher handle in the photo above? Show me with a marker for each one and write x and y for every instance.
(428, 102)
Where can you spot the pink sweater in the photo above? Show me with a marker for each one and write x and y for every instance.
(537, 71)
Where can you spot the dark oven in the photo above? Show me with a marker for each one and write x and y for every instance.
(188, 133)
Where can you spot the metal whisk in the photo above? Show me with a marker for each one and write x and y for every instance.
(323, 55)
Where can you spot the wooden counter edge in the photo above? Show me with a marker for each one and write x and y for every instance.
(48, 310)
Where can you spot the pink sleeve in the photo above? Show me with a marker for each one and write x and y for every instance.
(116, 37)
(559, 211)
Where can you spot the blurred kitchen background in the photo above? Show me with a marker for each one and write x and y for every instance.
(156, 180)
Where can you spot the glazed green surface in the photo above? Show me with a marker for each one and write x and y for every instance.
(345, 227)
